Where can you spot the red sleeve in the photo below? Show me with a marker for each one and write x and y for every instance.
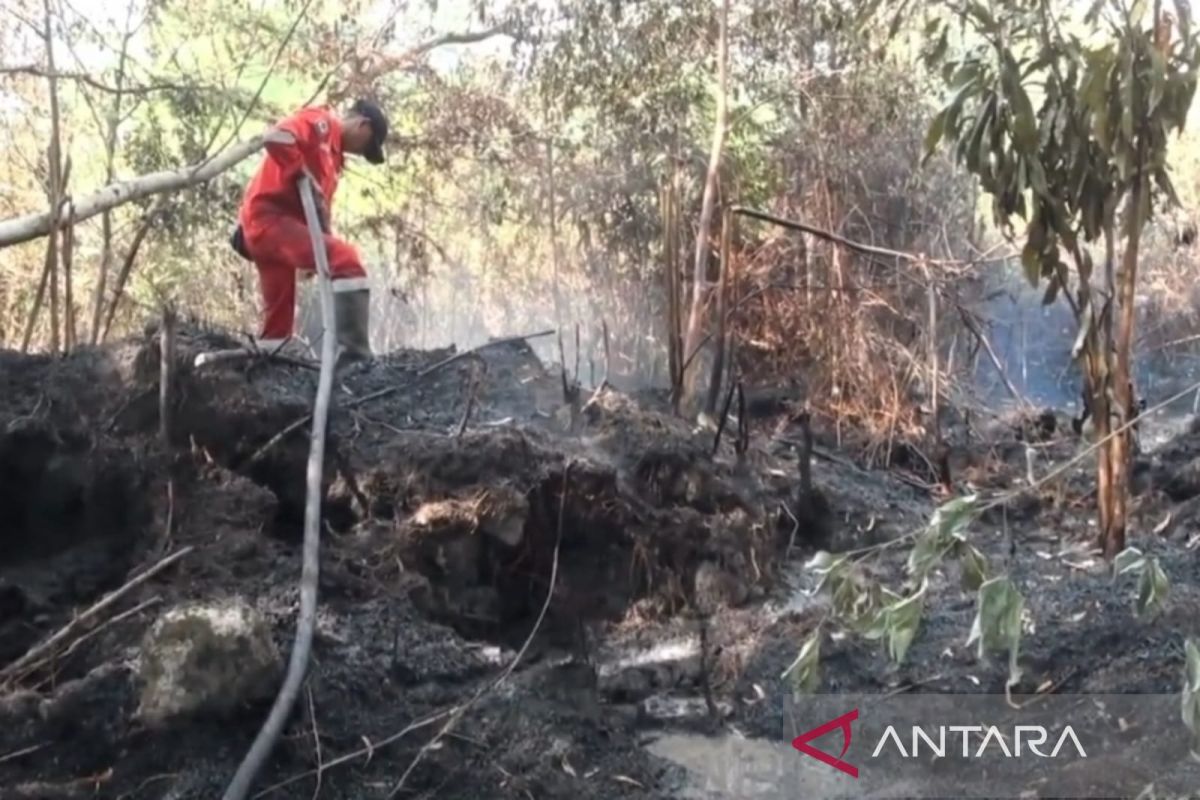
(303, 126)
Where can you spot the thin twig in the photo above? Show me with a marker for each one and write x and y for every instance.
(102, 605)
(367, 398)
(24, 752)
(368, 750)
(472, 388)
(312, 715)
(512, 665)
(124, 615)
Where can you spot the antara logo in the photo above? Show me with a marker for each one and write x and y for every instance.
(801, 742)
(1032, 737)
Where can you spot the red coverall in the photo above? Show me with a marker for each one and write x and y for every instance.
(273, 224)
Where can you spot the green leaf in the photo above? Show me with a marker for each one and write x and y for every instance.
(1128, 560)
(1025, 131)
(936, 130)
(974, 567)
(1152, 589)
(948, 521)
(1190, 696)
(997, 624)
(872, 626)
(1031, 262)
(1052, 289)
(805, 671)
(903, 621)
(980, 12)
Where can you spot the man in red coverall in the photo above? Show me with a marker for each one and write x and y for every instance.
(272, 231)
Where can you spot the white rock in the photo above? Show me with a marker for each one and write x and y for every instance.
(206, 658)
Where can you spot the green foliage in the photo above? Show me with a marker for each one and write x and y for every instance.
(946, 532)
(1103, 109)
(1190, 696)
(1153, 584)
(805, 671)
(997, 624)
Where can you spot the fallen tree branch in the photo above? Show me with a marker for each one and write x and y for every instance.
(102, 605)
(995, 359)
(31, 226)
(38, 71)
(268, 735)
(849, 244)
(367, 398)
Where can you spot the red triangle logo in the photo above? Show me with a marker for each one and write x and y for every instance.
(801, 743)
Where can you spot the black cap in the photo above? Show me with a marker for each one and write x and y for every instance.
(379, 129)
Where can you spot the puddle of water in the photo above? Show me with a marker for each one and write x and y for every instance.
(731, 767)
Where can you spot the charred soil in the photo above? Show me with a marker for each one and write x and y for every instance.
(447, 499)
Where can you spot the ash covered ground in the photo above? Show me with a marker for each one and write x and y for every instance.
(677, 597)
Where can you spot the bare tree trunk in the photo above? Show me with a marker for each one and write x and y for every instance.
(68, 253)
(552, 189)
(31, 226)
(700, 283)
(1114, 541)
(671, 238)
(56, 187)
(718, 369)
(110, 161)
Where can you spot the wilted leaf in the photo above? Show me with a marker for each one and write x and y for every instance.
(974, 567)
(1152, 588)
(1052, 289)
(1128, 560)
(872, 625)
(1190, 700)
(1031, 262)
(998, 621)
(805, 670)
(1087, 321)
(948, 522)
(903, 621)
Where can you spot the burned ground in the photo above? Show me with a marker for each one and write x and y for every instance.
(439, 545)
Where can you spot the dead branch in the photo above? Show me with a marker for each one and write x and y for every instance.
(24, 751)
(462, 709)
(858, 247)
(127, 265)
(95, 610)
(264, 743)
(38, 71)
(472, 388)
(373, 396)
(31, 226)
(367, 751)
(119, 618)
(987, 346)
(724, 417)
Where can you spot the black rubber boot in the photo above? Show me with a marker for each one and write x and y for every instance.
(353, 310)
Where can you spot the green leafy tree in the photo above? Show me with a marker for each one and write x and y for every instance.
(1065, 117)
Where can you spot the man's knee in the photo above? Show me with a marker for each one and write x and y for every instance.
(344, 261)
